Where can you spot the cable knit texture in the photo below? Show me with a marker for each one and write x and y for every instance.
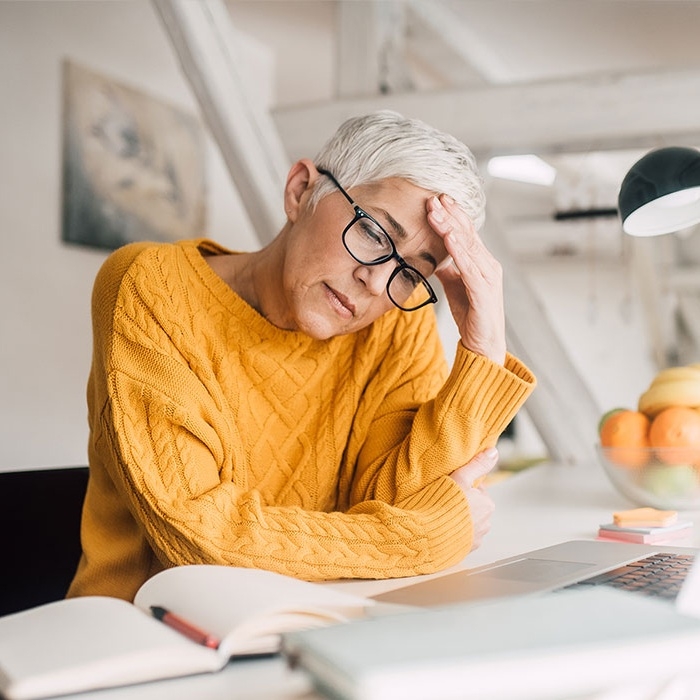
(216, 437)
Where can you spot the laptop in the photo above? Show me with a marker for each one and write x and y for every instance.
(652, 569)
(574, 642)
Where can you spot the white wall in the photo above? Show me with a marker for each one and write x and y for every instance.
(44, 321)
(46, 284)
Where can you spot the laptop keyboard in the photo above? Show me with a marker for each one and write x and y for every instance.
(661, 574)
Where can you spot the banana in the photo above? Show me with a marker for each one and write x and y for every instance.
(670, 392)
(686, 373)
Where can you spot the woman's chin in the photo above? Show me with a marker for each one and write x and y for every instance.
(324, 326)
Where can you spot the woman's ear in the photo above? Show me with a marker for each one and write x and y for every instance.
(300, 181)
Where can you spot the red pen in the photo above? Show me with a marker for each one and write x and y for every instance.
(184, 627)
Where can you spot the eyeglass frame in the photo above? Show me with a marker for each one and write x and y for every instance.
(360, 213)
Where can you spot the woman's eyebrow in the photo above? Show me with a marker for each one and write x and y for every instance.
(399, 230)
(401, 234)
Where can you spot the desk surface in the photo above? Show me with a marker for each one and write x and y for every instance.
(542, 506)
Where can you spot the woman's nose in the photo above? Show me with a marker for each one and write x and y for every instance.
(375, 277)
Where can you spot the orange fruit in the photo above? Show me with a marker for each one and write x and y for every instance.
(677, 427)
(607, 415)
(625, 435)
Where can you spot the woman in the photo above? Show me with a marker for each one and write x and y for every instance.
(291, 409)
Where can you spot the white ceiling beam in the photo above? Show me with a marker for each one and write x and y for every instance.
(205, 43)
(454, 33)
(604, 112)
(370, 39)
(357, 63)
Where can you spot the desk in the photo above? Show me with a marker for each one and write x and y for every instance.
(544, 505)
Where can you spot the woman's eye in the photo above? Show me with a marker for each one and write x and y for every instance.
(409, 277)
(373, 233)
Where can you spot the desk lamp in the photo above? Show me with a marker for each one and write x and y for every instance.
(661, 192)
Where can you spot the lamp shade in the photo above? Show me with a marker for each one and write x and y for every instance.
(661, 192)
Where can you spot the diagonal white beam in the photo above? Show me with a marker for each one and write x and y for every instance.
(205, 42)
(562, 407)
(480, 55)
(591, 113)
(433, 63)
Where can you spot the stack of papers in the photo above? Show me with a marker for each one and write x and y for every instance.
(645, 526)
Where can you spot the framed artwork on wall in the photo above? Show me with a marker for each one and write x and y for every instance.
(133, 166)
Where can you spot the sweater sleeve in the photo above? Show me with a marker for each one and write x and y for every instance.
(417, 427)
(412, 444)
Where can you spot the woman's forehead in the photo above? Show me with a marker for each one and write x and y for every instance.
(400, 206)
(394, 187)
(398, 203)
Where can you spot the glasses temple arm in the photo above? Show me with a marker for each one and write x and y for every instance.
(325, 172)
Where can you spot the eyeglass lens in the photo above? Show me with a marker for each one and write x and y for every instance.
(370, 245)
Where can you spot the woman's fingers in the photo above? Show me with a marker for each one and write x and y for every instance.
(474, 471)
(472, 279)
(481, 506)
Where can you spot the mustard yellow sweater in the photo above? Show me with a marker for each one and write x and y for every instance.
(216, 437)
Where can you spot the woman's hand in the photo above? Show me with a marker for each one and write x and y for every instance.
(472, 279)
(469, 478)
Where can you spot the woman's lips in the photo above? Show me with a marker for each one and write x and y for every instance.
(341, 303)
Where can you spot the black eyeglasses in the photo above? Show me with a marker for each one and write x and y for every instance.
(368, 243)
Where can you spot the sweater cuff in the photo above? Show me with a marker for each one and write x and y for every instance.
(495, 391)
(446, 518)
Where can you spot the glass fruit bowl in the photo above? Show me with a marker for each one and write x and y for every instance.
(661, 477)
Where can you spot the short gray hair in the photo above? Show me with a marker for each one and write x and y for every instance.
(385, 144)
